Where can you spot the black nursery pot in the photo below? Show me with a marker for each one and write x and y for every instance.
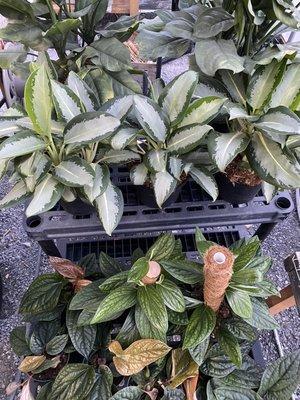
(77, 207)
(147, 197)
(235, 193)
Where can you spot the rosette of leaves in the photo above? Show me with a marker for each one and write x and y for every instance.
(42, 25)
(54, 146)
(262, 120)
(223, 31)
(171, 125)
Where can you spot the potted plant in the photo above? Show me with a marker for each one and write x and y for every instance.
(156, 329)
(53, 147)
(260, 120)
(170, 125)
(73, 35)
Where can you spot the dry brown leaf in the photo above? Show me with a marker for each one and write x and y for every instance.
(66, 268)
(30, 363)
(138, 355)
(183, 367)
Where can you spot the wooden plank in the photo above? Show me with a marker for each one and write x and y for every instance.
(278, 304)
(131, 7)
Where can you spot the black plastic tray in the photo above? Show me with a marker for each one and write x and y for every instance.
(194, 207)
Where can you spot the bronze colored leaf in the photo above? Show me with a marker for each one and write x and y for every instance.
(183, 367)
(80, 284)
(30, 363)
(66, 268)
(190, 387)
(138, 355)
(12, 387)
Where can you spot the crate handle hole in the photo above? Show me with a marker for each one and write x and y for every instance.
(33, 222)
(283, 203)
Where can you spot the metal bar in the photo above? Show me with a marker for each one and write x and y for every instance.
(50, 248)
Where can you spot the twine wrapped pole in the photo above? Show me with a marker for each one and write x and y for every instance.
(218, 263)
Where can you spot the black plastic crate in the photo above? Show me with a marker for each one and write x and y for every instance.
(122, 248)
(194, 207)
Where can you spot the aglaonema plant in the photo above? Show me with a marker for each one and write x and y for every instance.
(172, 124)
(75, 33)
(53, 146)
(260, 124)
(156, 326)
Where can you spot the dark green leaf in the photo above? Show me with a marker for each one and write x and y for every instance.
(43, 294)
(226, 393)
(217, 364)
(201, 325)
(240, 329)
(261, 317)
(198, 352)
(103, 383)
(239, 302)
(74, 382)
(184, 270)
(281, 377)
(82, 337)
(172, 295)
(146, 329)
(18, 341)
(108, 265)
(162, 249)
(202, 244)
(151, 302)
(245, 254)
(128, 393)
(56, 345)
(138, 270)
(114, 282)
(88, 297)
(116, 301)
(129, 332)
(42, 333)
(248, 376)
(178, 318)
(90, 265)
(231, 346)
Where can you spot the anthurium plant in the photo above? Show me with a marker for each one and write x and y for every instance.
(76, 33)
(103, 329)
(234, 60)
(53, 146)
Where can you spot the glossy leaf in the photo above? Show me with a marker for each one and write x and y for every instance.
(230, 345)
(239, 302)
(67, 104)
(162, 248)
(74, 172)
(184, 270)
(186, 139)
(151, 302)
(15, 195)
(24, 142)
(261, 317)
(206, 180)
(172, 295)
(57, 345)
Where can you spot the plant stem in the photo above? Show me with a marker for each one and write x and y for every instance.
(51, 11)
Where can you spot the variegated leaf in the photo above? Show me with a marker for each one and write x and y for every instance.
(269, 191)
(187, 138)
(175, 167)
(8, 126)
(67, 104)
(74, 172)
(68, 195)
(155, 160)
(90, 127)
(206, 180)
(86, 96)
(138, 174)
(280, 121)
(110, 207)
(100, 182)
(237, 111)
(235, 85)
(120, 156)
(269, 161)
(21, 143)
(219, 54)
(37, 98)
(124, 136)
(202, 111)
(17, 193)
(3, 167)
(224, 147)
(118, 107)
(177, 95)
(262, 84)
(164, 185)
(150, 117)
(45, 196)
(288, 89)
